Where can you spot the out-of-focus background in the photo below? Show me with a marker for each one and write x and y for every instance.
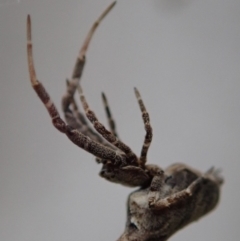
(183, 55)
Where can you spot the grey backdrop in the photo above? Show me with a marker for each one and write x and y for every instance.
(184, 57)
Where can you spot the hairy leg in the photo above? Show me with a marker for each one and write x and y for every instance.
(178, 197)
(74, 135)
(107, 135)
(148, 129)
(111, 122)
(68, 98)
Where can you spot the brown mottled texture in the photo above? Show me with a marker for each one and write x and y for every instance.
(147, 126)
(78, 138)
(107, 135)
(111, 122)
(73, 116)
(167, 199)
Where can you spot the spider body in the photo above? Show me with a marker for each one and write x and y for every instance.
(167, 199)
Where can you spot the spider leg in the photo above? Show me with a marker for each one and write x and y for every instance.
(178, 197)
(111, 121)
(74, 135)
(158, 179)
(77, 120)
(68, 98)
(77, 71)
(148, 129)
(107, 135)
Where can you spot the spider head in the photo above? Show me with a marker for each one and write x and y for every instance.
(131, 176)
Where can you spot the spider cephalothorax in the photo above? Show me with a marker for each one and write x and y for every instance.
(167, 199)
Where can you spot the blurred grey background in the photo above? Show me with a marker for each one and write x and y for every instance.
(183, 55)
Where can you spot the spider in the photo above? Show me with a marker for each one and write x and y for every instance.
(167, 200)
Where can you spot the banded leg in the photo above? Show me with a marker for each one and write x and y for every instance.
(109, 136)
(154, 191)
(74, 135)
(148, 129)
(79, 65)
(178, 197)
(81, 57)
(110, 119)
(111, 123)
(77, 120)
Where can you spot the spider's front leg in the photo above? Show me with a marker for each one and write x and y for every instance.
(71, 111)
(78, 138)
